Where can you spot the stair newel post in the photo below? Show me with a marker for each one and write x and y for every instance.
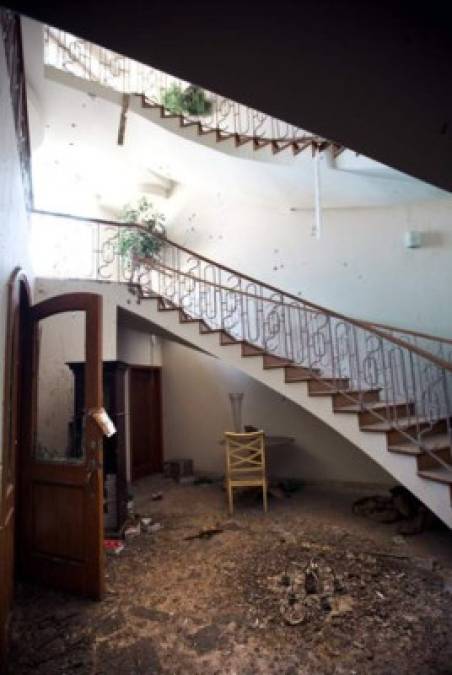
(416, 401)
(260, 319)
(355, 367)
(304, 334)
(383, 367)
(406, 390)
(290, 331)
(447, 405)
(220, 290)
(331, 347)
(286, 329)
(179, 278)
(264, 321)
(241, 311)
(97, 252)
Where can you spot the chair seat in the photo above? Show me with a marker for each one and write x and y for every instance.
(246, 478)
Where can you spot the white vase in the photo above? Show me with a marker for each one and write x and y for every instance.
(236, 405)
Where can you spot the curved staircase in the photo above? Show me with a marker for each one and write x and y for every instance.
(386, 390)
(229, 122)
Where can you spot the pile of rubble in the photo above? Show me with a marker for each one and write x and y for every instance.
(310, 591)
(401, 507)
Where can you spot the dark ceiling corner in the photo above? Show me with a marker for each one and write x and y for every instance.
(374, 76)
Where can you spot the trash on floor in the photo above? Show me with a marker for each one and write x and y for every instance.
(207, 533)
(399, 506)
(156, 496)
(155, 527)
(113, 546)
(132, 530)
(177, 468)
(203, 480)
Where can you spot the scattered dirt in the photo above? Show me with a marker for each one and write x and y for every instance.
(307, 589)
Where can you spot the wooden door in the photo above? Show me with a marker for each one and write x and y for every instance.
(61, 543)
(145, 421)
(18, 308)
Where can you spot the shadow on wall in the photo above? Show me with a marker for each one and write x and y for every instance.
(197, 411)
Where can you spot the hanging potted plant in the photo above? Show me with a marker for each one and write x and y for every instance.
(147, 241)
(189, 101)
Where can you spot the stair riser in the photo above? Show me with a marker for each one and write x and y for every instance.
(299, 374)
(340, 400)
(306, 377)
(392, 412)
(426, 461)
(226, 339)
(275, 362)
(185, 318)
(394, 436)
(319, 387)
(251, 350)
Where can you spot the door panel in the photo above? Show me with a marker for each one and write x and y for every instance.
(62, 534)
(145, 421)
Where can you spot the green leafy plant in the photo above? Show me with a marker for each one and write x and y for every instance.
(192, 100)
(138, 242)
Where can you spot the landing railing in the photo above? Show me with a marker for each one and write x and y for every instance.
(223, 115)
(10, 32)
(352, 356)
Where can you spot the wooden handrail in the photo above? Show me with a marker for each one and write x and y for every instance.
(441, 363)
(377, 329)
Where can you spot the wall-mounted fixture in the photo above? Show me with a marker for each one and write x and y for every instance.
(413, 239)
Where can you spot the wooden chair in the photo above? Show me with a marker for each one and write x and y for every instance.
(245, 463)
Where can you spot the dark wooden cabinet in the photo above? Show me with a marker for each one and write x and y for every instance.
(114, 462)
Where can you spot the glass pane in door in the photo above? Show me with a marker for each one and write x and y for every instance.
(60, 388)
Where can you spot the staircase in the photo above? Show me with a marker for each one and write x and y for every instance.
(141, 88)
(386, 390)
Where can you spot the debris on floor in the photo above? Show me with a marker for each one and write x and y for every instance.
(156, 496)
(400, 506)
(114, 546)
(132, 530)
(306, 588)
(206, 533)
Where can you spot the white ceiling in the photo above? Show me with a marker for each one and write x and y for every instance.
(78, 166)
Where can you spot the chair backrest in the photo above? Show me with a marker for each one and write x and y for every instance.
(245, 452)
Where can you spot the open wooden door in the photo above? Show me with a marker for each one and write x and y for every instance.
(61, 533)
(19, 301)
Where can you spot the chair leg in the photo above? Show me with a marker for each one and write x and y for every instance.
(230, 499)
(264, 495)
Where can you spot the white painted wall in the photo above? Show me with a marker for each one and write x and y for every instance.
(14, 227)
(196, 412)
(138, 347)
(359, 266)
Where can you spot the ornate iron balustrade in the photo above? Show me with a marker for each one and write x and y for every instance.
(225, 117)
(346, 354)
(12, 40)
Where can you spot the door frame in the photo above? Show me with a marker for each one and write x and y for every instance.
(158, 369)
(18, 307)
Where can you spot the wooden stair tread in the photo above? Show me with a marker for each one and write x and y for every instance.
(432, 443)
(357, 407)
(441, 474)
(388, 425)
(372, 405)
